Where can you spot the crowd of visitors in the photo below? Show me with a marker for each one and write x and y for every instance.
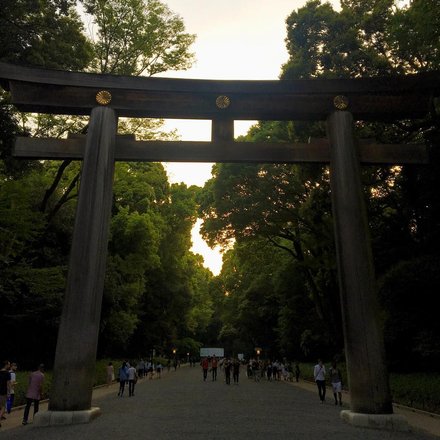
(128, 374)
(255, 369)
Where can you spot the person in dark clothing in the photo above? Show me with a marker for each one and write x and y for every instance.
(227, 366)
(5, 384)
(236, 371)
(214, 364)
(123, 378)
(205, 367)
(297, 372)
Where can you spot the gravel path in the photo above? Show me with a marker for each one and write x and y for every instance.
(182, 406)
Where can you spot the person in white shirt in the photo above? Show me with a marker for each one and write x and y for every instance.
(319, 375)
(336, 381)
(132, 379)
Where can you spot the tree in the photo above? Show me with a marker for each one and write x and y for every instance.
(46, 33)
(289, 205)
(138, 37)
(153, 281)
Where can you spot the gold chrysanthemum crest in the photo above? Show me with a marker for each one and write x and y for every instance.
(103, 97)
(340, 102)
(223, 101)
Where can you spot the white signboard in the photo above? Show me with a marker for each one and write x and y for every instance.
(218, 352)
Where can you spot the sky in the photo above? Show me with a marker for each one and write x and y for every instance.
(235, 39)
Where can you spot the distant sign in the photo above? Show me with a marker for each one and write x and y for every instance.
(206, 352)
(240, 356)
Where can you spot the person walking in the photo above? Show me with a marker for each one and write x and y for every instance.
(336, 381)
(10, 400)
(140, 368)
(34, 392)
(214, 365)
(236, 371)
(110, 373)
(132, 379)
(205, 367)
(319, 375)
(5, 387)
(297, 371)
(123, 378)
(159, 369)
(227, 366)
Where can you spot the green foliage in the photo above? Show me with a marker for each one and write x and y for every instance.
(289, 206)
(416, 390)
(407, 292)
(46, 33)
(414, 36)
(136, 37)
(156, 291)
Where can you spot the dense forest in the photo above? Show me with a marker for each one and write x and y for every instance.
(278, 287)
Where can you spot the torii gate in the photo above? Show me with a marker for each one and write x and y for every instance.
(105, 97)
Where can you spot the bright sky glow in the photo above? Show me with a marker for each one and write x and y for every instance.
(236, 39)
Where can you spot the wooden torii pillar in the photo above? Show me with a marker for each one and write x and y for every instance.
(105, 97)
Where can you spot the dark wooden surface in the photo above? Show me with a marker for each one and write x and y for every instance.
(75, 357)
(364, 347)
(379, 98)
(127, 149)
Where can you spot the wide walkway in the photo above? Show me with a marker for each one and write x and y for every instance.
(182, 406)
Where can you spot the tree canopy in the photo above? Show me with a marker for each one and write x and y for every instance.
(157, 293)
(278, 288)
(288, 206)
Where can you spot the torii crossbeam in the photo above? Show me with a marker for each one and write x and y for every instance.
(105, 97)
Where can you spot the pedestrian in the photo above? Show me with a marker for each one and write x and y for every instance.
(151, 369)
(256, 370)
(5, 387)
(110, 374)
(34, 392)
(214, 364)
(10, 400)
(336, 381)
(227, 366)
(159, 368)
(140, 368)
(269, 371)
(297, 371)
(236, 371)
(123, 378)
(132, 377)
(205, 367)
(289, 369)
(319, 375)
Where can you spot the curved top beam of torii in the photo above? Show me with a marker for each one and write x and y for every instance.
(62, 92)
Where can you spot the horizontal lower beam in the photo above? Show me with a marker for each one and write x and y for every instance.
(130, 150)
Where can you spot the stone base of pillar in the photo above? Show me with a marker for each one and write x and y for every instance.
(59, 418)
(390, 422)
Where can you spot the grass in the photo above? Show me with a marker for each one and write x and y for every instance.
(416, 390)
